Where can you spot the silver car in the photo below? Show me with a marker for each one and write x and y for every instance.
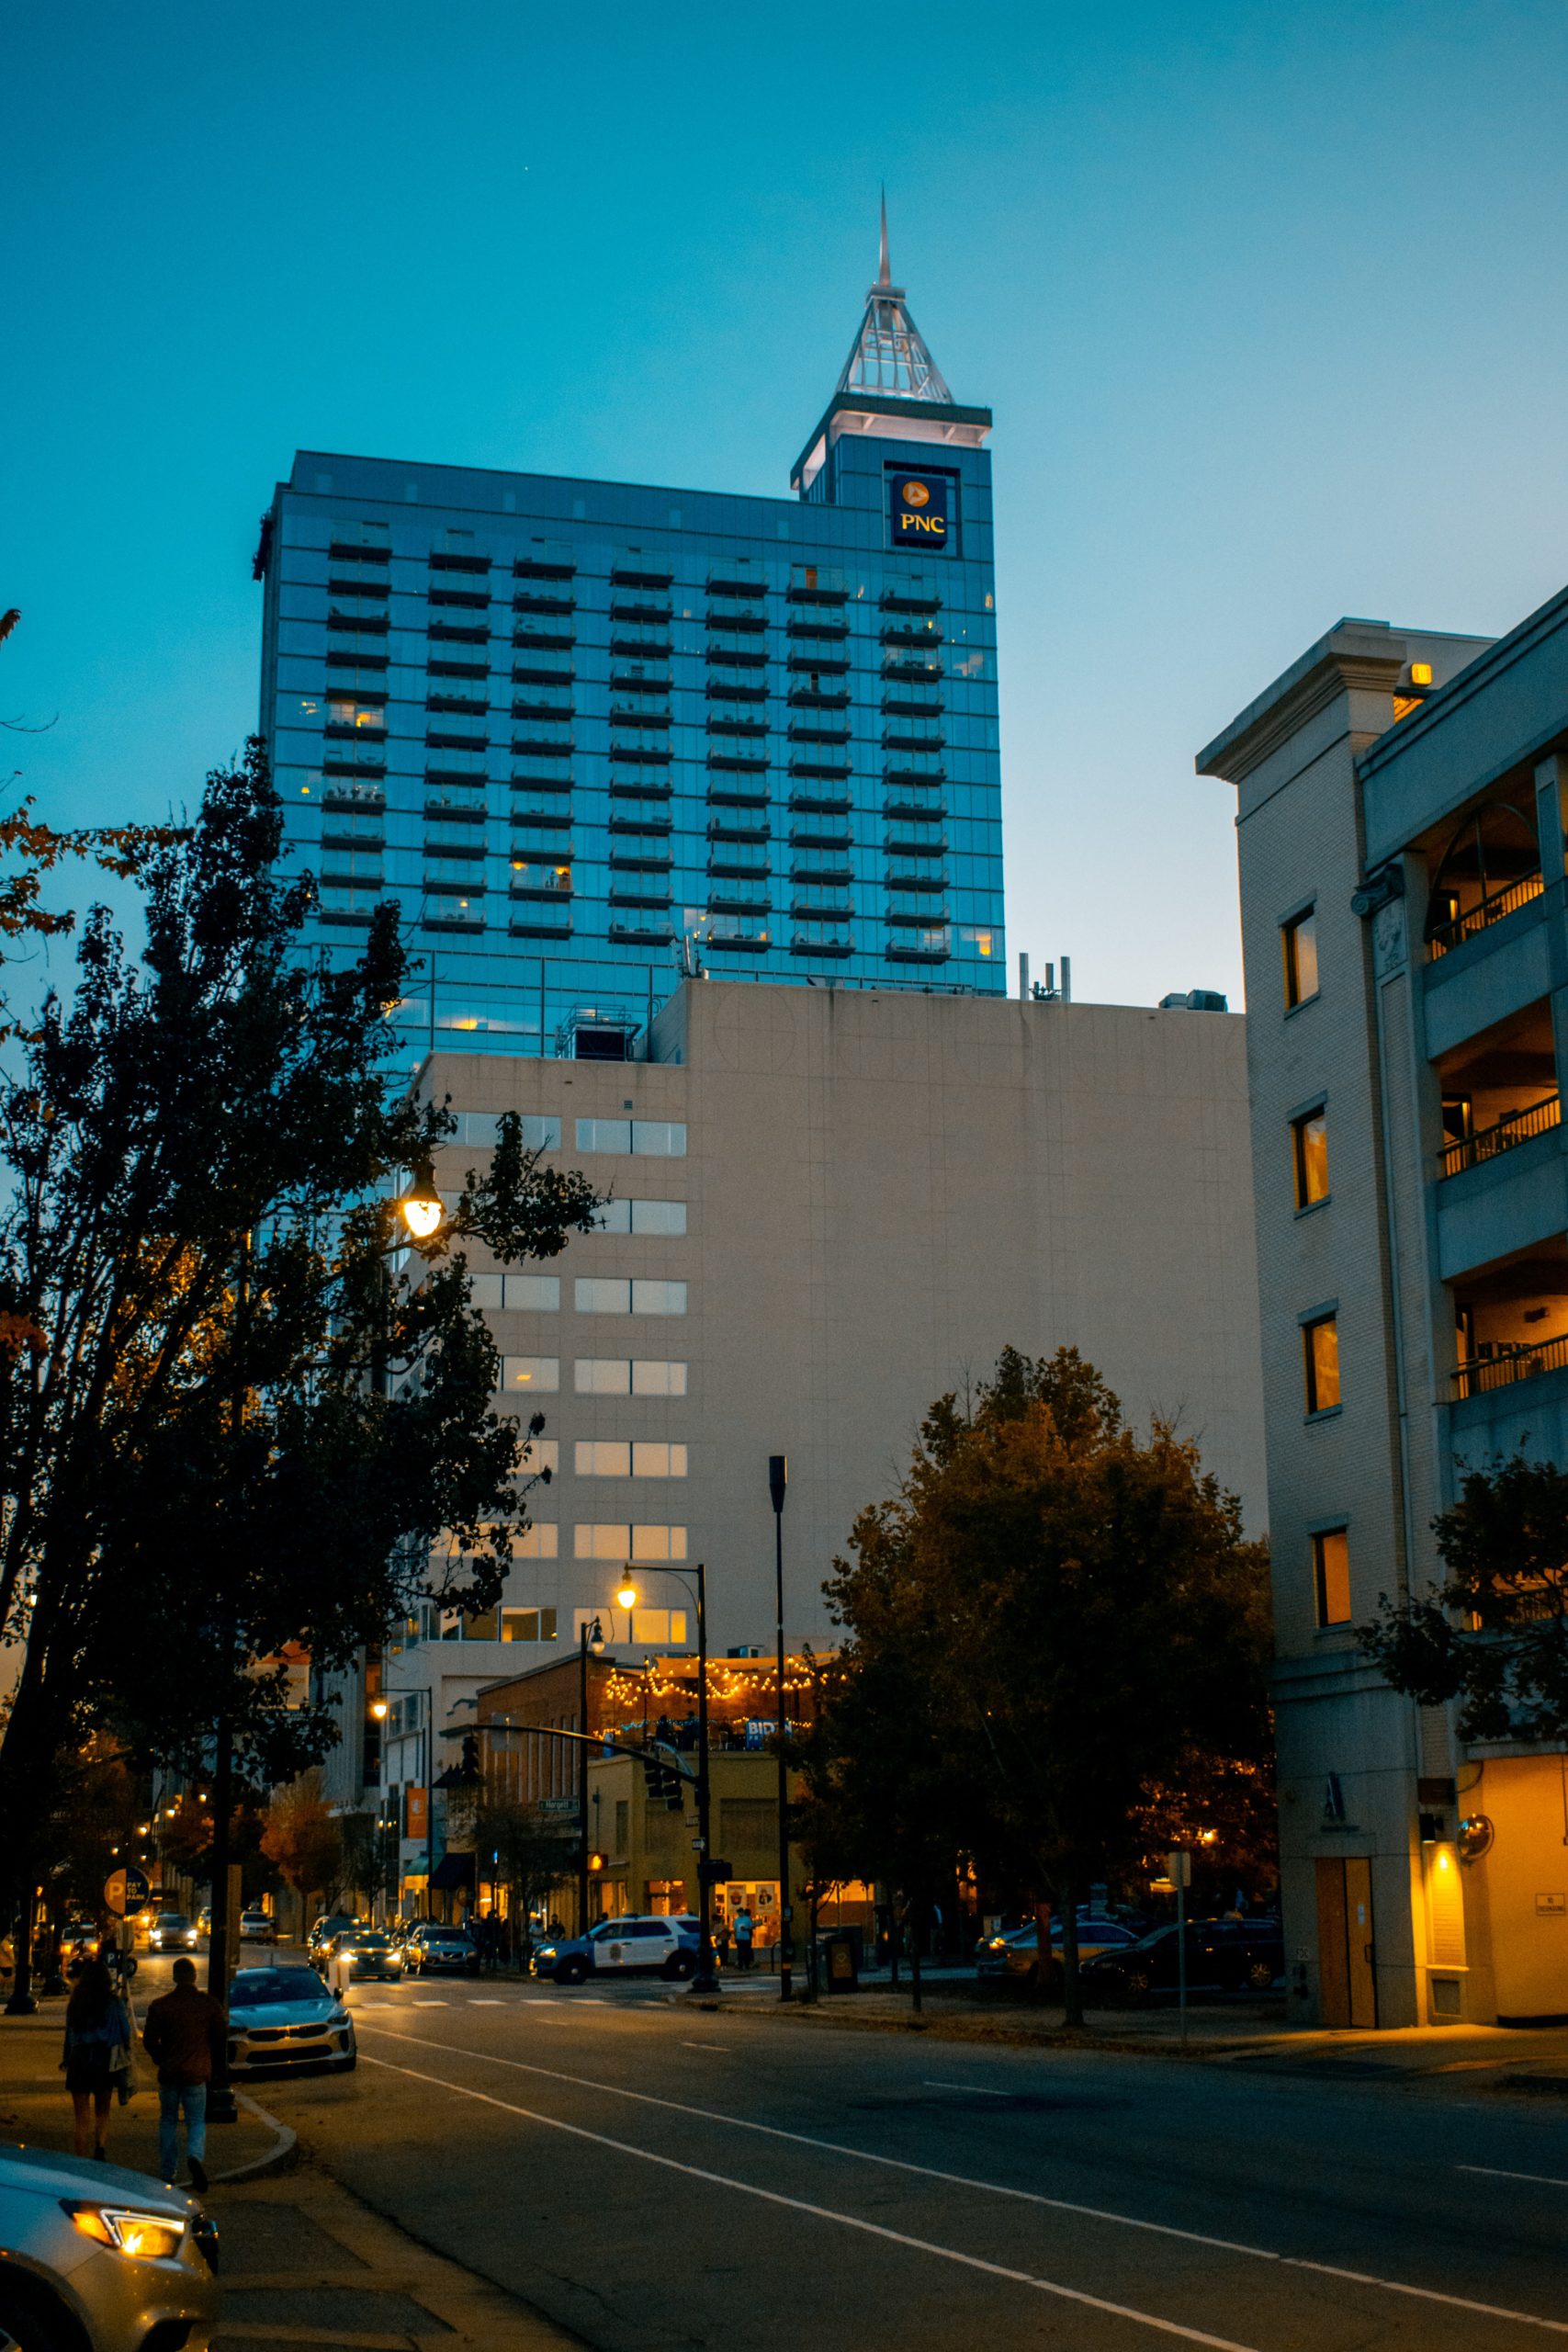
(287, 2016)
(90, 2253)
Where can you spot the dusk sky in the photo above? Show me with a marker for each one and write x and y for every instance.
(1267, 303)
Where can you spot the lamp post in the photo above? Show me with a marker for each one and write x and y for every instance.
(589, 1637)
(778, 1480)
(705, 1981)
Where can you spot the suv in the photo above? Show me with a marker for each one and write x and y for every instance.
(628, 1946)
(258, 1927)
(434, 1946)
(318, 1943)
(1013, 1958)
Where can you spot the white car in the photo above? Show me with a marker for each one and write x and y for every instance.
(258, 1927)
(287, 2017)
(94, 2254)
(633, 1946)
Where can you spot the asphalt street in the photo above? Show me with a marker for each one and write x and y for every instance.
(651, 2173)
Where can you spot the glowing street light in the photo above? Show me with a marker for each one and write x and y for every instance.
(423, 1209)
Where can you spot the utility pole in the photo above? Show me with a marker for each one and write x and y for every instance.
(778, 1481)
(705, 1981)
(589, 1636)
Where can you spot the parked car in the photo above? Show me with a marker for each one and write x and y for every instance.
(369, 1953)
(287, 2017)
(633, 1946)
(172, 1931)
(78, 1941)
(1013, 1958)
(258, 1927)
(431, 1947)
(96, 2255)
(330, 1924)
(1222, 1956)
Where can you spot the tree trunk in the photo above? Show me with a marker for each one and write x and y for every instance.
(915, 1918)
(1072, 1993)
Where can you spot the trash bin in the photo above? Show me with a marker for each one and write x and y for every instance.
(841, 1972)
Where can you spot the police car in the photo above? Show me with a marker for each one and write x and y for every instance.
(637, 1945)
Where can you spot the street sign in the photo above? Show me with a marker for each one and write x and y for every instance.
(1178, 1867)
(126, 1891)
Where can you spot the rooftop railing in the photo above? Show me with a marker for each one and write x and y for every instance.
(1483, 914)
(1482, 1373)
(1487, 1142)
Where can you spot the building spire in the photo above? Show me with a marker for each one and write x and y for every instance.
(890, 355)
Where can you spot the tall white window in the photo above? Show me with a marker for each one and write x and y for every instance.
(641, 1216)
(628, 1377)
(629, 1458)
(530, 1375)
(616, 1295)
(614, 1540)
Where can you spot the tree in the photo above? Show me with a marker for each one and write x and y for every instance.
(1049, 1625)
(301, 1835)
(249, 1413)
(518, 1848)
(1494, 1632)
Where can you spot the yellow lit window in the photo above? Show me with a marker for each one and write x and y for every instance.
(1320, 1343)
(1298, 938)
(1309, 1152)
(1331, 1577)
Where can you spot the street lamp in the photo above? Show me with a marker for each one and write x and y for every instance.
(705, 1981)
(422, 1207)
(589, 1636)
(778, 1480)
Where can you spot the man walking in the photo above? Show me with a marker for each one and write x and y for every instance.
(184, 2035)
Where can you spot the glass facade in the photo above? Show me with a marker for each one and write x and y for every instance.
(593, 736)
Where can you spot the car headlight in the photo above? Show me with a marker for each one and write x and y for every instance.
(148, 2237)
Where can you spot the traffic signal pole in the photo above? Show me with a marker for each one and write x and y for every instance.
(778, 1480)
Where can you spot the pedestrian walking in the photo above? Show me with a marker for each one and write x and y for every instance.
(745, 1928)
(96, 2051)
(721, 1943)
(184, 2035)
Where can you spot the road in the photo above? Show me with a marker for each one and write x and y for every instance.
(653, 2174)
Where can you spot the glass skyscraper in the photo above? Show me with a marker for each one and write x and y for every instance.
(592, 736)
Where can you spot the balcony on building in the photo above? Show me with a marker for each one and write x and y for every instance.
(1511, 1322)
(1485, 936)
(1502, 1179)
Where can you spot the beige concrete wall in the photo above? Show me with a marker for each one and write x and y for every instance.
(883, 1190)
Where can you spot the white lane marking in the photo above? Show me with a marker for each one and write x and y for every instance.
(1492, 2172)
(979, 2089)
(429, 2004)
(841, 2220)
(484, 2001)
(998, 2189)
(707, 2045)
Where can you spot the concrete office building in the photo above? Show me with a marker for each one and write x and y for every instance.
(828, 1207)
(588, 734)
(1401, 830)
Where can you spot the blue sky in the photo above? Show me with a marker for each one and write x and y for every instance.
(1267, 303)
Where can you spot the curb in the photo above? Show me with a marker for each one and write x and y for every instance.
(280, 2157)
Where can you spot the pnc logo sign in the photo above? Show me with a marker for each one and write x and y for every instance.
(918, 510)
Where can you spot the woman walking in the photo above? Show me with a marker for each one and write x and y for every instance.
(97, 2030)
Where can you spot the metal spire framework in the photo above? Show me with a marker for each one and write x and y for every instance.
(890, 355)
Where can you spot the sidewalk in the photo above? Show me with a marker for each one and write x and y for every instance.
(306, 2268)
(1250, 2033)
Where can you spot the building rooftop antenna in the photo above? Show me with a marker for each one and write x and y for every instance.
(889, 354)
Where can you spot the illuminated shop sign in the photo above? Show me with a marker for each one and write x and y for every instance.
(919, 511)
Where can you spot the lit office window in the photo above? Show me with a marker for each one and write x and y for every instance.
(658, 1628)
(527, 1624)
(1298, 939)
(1331, 1576)
(540, 1540)
(614, 1540)
(1320, 1351)
(623, 1458)
(1309, 1154)
(522, 1374)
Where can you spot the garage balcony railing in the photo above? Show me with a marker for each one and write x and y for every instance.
(1487, 1142)
(1483, 914)
(1482, 1373)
